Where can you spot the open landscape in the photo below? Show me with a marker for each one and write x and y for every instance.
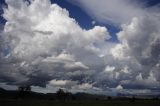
(79, 52)
(61, 98)
(78, 103)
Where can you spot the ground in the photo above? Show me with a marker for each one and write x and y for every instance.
(78, 103)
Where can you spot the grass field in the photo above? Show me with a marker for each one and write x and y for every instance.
(78, 103)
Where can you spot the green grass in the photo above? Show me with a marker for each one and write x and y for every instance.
(78, 103)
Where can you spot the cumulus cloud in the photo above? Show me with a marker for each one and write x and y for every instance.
(42, 46)
(43, 43)
(139, 50)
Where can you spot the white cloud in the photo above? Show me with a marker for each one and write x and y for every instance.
(111, 11)
(140, 39)
(119, 87)
(45, 43)
(32, 39)
(85, 86)
(62, 83)
(109, 69)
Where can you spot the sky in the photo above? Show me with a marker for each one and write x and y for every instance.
(106, 47)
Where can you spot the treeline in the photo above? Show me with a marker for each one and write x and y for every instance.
(25, 92)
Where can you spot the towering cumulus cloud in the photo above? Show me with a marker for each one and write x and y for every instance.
(139, 53)
(42, 46)
(42, 43)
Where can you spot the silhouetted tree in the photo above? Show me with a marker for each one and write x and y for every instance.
(28, 88)
(24, 88)
(133, 99)
(60, 94)
(24, 91)
(21, 89)
(109, 97)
